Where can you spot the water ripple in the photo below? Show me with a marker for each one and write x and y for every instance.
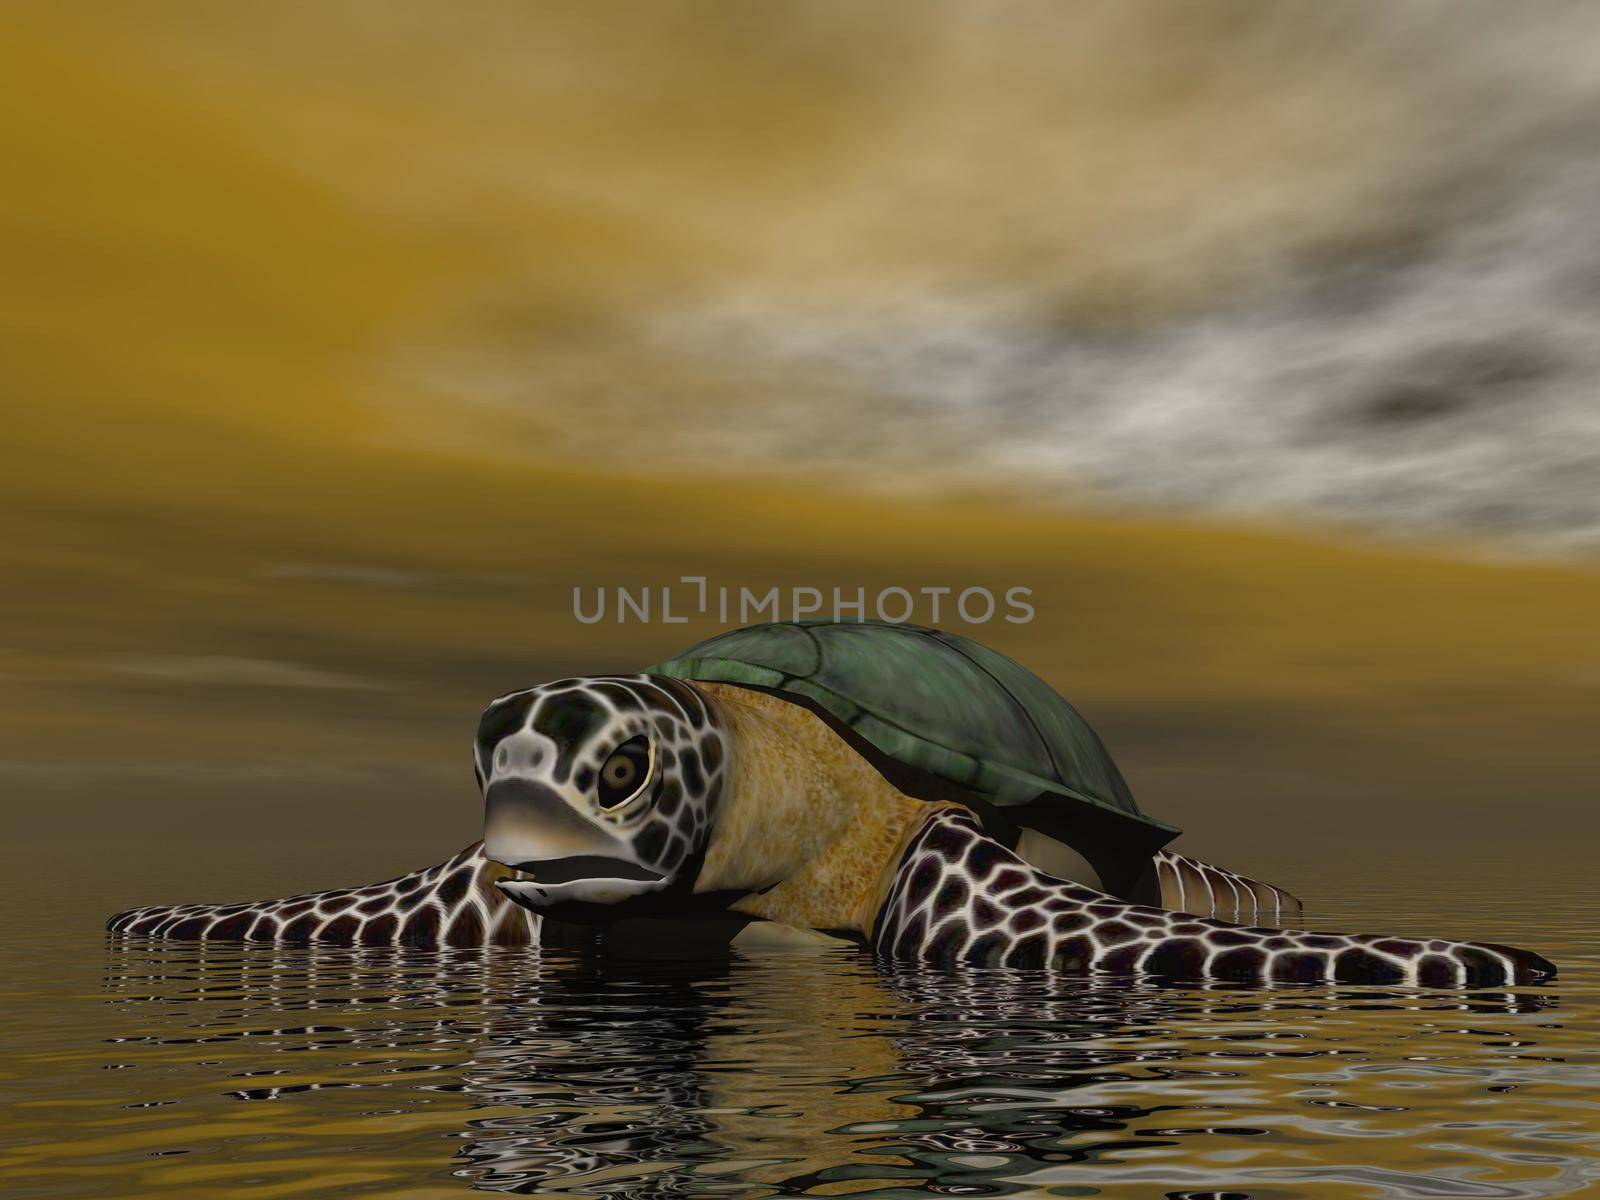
(192, 1070)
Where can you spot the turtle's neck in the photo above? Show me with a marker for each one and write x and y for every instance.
(960, 897)
(807, 828)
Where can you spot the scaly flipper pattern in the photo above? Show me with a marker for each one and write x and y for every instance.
(454, 903)
(960, 897)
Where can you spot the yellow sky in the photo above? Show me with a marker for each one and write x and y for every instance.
(268, 540)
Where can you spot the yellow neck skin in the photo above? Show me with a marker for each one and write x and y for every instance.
(806, 825)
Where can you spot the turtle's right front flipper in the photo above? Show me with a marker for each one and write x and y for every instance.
(453, 903)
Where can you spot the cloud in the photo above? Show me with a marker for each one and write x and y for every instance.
(389, 577)
(297, 771)
(392, 577)
(232, 671)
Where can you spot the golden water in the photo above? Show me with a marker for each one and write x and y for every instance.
(153, 1069)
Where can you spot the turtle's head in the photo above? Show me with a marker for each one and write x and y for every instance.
(599, 791)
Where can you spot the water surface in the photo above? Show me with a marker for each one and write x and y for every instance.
(169, 1069)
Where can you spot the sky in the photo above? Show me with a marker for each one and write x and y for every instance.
(339, 350)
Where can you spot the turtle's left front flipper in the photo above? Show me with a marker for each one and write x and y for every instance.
(1191, 886)
(453, 903)
(959, 896)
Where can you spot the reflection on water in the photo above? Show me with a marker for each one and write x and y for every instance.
(174, 1069)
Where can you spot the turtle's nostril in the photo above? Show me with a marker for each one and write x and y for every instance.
(517, 752)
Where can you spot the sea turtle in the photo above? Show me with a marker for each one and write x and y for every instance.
(904, 787)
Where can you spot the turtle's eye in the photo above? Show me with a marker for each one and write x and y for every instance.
(625, 772)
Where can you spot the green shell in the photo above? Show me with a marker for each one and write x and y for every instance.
(945, 706)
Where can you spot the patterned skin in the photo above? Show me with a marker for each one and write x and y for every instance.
(603, 798)
(455, 903)
(961, 897)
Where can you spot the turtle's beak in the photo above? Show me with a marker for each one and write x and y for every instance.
(563, 857)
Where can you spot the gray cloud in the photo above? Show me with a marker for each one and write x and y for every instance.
(234, 671)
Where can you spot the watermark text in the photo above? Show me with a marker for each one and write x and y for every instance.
(694, 595)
